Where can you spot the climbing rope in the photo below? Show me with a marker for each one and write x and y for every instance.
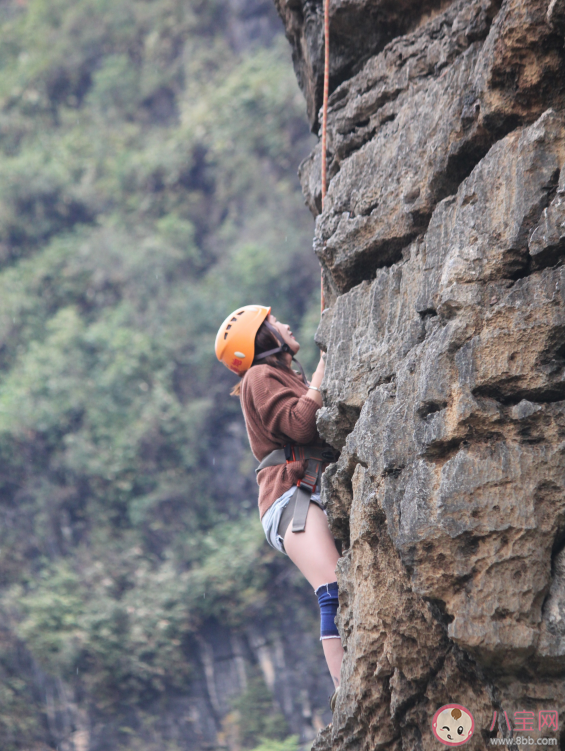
(325, 119)
(325, 101)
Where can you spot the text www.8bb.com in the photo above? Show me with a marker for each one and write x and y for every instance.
(521, 740)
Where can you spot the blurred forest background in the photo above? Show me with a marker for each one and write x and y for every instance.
(148, 157)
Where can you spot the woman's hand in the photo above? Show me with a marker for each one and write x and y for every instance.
(318, 376)
(317, 381)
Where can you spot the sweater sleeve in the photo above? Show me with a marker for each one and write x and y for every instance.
(283, 411)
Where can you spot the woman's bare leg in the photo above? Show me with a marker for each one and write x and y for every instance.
(314, 550)
(333, 652)
(314, 553)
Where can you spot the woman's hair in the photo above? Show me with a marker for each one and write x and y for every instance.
(264, 341)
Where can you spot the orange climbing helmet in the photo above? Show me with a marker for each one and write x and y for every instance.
(235, 342)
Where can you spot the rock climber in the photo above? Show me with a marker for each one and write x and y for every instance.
(279, 407)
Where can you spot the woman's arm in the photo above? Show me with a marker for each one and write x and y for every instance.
(316, 382)
(283, 407)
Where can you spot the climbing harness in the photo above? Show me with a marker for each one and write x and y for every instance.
(315, 456)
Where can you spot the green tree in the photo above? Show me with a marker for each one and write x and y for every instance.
(259, 720)
(147, 187)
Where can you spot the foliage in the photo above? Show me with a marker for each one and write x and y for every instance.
(147, 187)
(289, 744)
(258, 717)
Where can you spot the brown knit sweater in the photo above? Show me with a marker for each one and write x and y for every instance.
(277, 411)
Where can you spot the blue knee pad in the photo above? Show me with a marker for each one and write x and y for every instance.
(328, 602)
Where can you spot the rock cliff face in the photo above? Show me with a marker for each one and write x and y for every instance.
(441, 241)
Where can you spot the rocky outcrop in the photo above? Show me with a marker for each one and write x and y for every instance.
(358, 30)
(441, 242)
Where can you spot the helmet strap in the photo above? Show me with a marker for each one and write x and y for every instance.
(301, 370)
(268, 352)
(276, 333)
(283, 348)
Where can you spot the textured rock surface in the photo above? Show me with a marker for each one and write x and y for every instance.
(441, 240)
(358, 30)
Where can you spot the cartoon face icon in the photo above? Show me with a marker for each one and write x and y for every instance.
(453, 725)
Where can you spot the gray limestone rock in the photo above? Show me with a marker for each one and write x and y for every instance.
(442, 242)
(547, 240)
(357, 30)
(556, 15)
(412, 124)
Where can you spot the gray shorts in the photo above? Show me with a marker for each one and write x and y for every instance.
(272, 518)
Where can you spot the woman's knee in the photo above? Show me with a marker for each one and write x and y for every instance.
(328, 602)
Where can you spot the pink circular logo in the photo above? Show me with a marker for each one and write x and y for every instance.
(453, 725)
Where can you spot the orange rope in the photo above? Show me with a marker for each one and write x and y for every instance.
(325, 117)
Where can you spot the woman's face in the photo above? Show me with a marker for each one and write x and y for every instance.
(286, 333)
